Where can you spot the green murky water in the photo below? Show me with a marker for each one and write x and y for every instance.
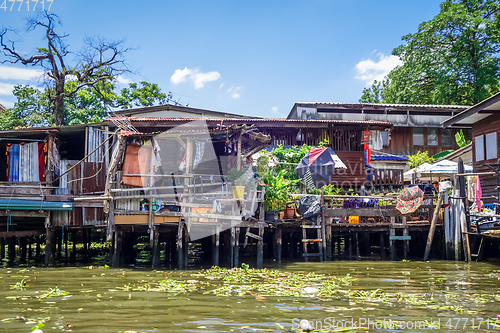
(447, 296)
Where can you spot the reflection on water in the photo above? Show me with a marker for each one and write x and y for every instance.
(97, 302)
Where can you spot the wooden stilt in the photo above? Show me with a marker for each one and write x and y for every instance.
(117, 253)
(49, 247)
(38, 249)
(58, 236)
(328, 252)
(382, 246)
(2, 248)
(22, 245)
(185, 247)
(358, 256)
(406, 243)
(232, 246)
(392, 244)
(350, 246)
(432, 229)
(11, 250)
(85, 242)
(73, 250)
(236, 247)
(260, 249)
(30, 253)
(173, 248)
(66, 249)
(155, 263)
(216, 244)
(180, 244)
(279, 242)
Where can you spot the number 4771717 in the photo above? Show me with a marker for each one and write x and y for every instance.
(27, 5)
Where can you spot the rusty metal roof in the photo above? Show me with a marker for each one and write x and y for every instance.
(384, 105)
(254, 120)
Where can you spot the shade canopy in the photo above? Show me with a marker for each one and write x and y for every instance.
(316, 168)
(439, 169)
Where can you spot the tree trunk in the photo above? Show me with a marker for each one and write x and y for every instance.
(59, 102)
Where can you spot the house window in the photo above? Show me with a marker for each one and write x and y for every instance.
(418, 136)
(486, 146)
(491, 145)
(479, 140)
(432, 137)
(384, 138)
(446, 137)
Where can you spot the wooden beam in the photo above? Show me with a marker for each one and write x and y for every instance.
(23, 233)
(432, 229)
(334, 212)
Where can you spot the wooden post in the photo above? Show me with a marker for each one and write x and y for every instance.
(66, 250)
(260, 248)
(49, 246)
(216, 244)
(406, 243)
(73, 250)
(155, 263)
(323, 225)
(350, 246)
(236, 246)
(232, 246)
(447, 229)
(279, 242)
(180, 244)
(59, 244)
(238, 152)
(432, 228)
(328, 251)
(38, 249)
(2, 248)
(116, 261)
(12, 250)
(30, 252)
(358, 256)
(382, 246)
(22, 245)
(392, 244)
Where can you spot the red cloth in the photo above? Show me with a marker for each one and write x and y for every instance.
(41, 162)
(314, 154)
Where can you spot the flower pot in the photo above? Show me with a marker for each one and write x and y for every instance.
(282, 214)
(270, 215)
(289, 213)
(238, 192)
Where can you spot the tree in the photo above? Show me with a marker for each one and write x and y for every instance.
(451, 59)
(99, 61)
(88, 105)
(373, 94)
(418, 159)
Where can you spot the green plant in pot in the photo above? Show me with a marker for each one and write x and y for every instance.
(277, 191)
(290, 210)
(239, 179)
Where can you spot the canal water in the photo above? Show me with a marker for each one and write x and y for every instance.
(379, 296)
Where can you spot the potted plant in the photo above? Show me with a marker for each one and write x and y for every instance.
(239, 179)
(290, 210)
(276, 194)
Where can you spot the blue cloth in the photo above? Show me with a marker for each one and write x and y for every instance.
(14, 163)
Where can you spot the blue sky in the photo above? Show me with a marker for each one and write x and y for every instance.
(248, 57)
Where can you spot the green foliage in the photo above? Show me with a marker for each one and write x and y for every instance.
(38, 326)
(263, 166)
(452, 59)
(373, 94)
(418, 159)
(141, 95)
(20, 285)
(238, 177)
(277, 191)
(88, 105)
(31, 109)
(461, 140)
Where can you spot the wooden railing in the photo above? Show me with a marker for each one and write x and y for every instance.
(385, 176)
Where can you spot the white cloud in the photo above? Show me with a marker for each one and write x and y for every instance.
(369, 70)
(194, 75)
(6, 88)
(17, 73)
(235, 95)
(123, 80)
(274, 110)
(8, 105)
(221, 85)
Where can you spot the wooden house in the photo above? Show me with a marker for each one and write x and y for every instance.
(484, 119)
(416, 127)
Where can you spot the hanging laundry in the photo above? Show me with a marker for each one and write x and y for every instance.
(14, 163)
(471, 188)
(41, 163)
(156, 155)
(28, 163)
(200, 151)
(478, 194)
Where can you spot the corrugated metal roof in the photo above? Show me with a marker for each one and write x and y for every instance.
(389, 158)
(388, 105)
(253, 120)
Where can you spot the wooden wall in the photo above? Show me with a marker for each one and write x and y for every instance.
(355, 174)
(402, 143)
(488, 183)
